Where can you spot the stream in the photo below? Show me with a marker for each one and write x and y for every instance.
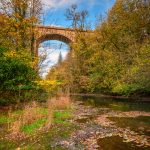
(95, 123)
(109, 124)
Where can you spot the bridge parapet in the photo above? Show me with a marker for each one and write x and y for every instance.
(45, 33)
(55, 33)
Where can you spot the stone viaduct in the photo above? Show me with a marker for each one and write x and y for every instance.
(45, 33)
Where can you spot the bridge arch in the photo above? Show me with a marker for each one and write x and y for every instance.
(57, 37)
(51, 40)
(46, 33)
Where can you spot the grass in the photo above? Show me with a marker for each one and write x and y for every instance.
(33, 123)
(34, 116)
(7, 145)
(58, 118)
(46, 140)
(5, 119)
(61, 129)
(53, 135)
(30, 129)
(62, 114)
(10, 117)
(60, 103)
(43, 111)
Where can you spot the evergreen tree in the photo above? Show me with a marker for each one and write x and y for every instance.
(60, 59)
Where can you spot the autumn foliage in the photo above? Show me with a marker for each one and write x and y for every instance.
(17, 59)
(115, 59)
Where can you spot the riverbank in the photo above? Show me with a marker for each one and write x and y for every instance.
(25, 126)
(133, 98)
(90, 123)
(96, 130)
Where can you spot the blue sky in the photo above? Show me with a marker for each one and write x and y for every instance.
(51, 49)
(54, 11)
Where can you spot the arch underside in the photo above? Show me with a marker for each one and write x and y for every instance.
(58, 37)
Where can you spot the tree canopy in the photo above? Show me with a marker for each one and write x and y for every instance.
(116, 58)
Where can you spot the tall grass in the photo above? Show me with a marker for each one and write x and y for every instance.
(34, 117)
(29, 115)
(60, 103)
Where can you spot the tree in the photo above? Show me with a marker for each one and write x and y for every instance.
(73, 15)
(16, 57)
(78, 18)
(23, 15)
(83, 16)
(60, 59)
(115, 59)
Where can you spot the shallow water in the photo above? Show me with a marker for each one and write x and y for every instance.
(90, 132)
(115, 104)
(115, 143)
(138, 124)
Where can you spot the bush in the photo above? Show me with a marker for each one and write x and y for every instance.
(17, 80)
(125, 89)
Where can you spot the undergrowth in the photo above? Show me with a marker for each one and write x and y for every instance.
(36, 119)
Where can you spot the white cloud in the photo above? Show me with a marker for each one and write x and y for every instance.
(64, 3)
(54, 25)
(52, 58)
(58, 3)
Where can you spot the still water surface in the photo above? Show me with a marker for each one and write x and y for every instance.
(139, 124)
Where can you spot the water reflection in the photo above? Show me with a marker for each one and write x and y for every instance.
(115, 143)
(130, 118)
(115, 104)
(139, 124)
